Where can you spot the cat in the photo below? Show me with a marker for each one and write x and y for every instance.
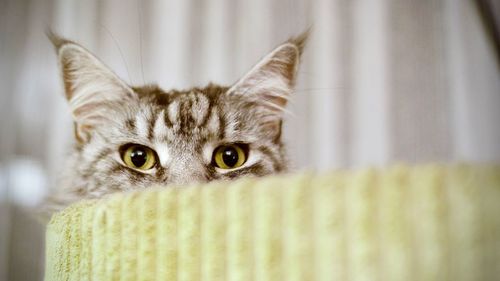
(129, 137)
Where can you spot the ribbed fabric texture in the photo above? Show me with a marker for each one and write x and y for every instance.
(420, 223)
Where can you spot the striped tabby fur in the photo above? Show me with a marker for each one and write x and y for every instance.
(182, 127)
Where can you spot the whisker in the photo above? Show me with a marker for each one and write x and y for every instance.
(119, 50)
(320, 89)
(139, 10)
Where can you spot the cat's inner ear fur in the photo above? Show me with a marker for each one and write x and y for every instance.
(91, 87)
(271, 81)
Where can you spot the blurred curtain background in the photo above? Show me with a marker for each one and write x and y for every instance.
(381, 82)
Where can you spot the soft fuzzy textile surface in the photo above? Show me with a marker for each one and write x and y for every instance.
(402, 223)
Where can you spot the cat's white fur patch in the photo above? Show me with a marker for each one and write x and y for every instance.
(208, 151)
(160, 128)
(199, 109)
(142, 124)
(230, 126)
(213, 123)
(173, 111)
(163, 154)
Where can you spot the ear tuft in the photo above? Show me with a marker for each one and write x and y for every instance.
(300, 40)
(56, 40)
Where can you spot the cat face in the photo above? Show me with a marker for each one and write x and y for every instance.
(177, 138)
(137, 137)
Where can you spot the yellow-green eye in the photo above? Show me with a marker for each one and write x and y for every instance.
(139, 157)
(229, 156)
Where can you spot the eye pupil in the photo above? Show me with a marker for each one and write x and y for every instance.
(138, 157)
(230, 156)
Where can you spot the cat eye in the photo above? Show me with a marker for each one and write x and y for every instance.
(138, 157)
(230, 156)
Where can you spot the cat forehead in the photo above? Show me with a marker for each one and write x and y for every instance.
(194, 107)
(169, 115)
(156, 95)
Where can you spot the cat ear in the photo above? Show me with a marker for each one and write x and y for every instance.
(90, 86)
(270, 82)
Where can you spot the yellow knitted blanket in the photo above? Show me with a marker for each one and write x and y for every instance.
(420, 223)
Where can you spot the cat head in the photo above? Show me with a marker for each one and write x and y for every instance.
(133, 137)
